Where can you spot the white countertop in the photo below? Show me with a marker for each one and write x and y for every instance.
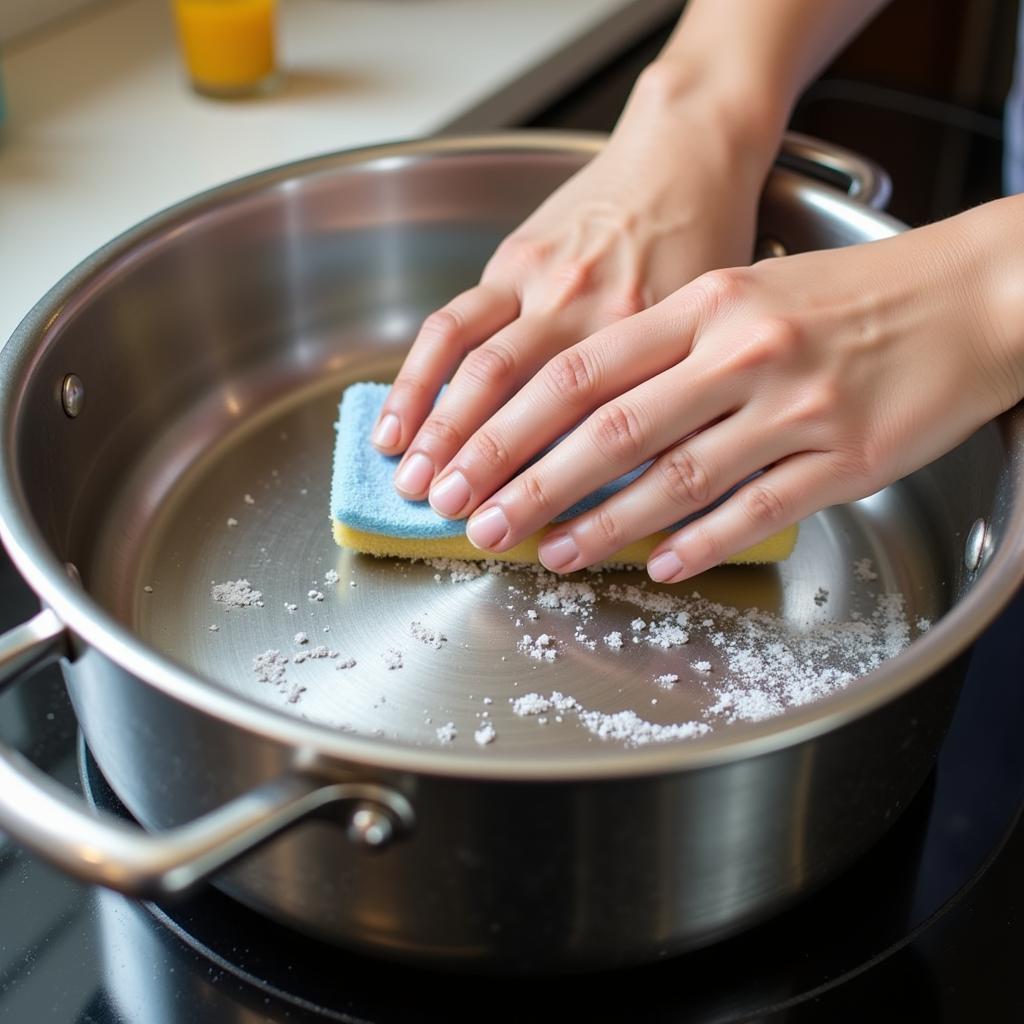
(102, 130)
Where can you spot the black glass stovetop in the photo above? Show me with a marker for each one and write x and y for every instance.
(927, 927)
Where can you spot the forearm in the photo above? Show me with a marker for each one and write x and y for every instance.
(986, 244)
(748, 61)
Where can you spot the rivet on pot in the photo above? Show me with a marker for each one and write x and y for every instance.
(768, 247)
(974, 549)
(72, 395)
(370, 826)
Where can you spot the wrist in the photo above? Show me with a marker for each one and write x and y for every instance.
(993, 237)
(674, 97)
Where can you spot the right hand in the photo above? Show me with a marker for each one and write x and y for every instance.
(672, 195)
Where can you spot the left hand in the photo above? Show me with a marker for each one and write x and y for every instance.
(835, 372)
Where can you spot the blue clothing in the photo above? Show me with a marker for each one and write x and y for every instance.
(1013, 146)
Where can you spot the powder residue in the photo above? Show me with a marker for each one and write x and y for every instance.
(431, 637)
(485, 734)
(542, 647)
(236, 594)
(270, 666)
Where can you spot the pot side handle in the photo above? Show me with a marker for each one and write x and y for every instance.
(862, 178)
(46, 818)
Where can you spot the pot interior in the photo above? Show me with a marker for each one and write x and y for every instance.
(212, 349)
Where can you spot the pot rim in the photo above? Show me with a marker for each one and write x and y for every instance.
(93, 625)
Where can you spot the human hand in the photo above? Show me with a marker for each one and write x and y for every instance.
(672, 195)
(836, 372)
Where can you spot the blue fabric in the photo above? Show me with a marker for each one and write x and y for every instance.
(1013, 146)
(362, 495)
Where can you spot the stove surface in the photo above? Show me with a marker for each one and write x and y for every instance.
(928, 927)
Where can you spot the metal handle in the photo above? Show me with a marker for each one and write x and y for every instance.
(864, 180)
(43, 816)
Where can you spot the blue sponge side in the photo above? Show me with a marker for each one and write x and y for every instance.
(362, 494)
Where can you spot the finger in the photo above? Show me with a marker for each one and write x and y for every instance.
(682, 482)
(620, 436)
(488, 376)
(444, 338)
(574, 383)
(786, 493)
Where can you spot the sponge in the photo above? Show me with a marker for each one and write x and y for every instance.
(371, 517)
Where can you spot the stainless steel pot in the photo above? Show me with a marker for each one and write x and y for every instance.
(198, 357)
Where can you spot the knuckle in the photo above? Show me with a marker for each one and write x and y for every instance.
(618, 431)
(704, 546)
(489, 365)
(625, 304)
(816, 405)
(442, 431)
(769, 341)
(521, 251)
(608, 530)
(572, 376)
(573, 278)
(685, 479)
(717, 289)
(443, 325)
(490, 450)
(762, 504)
(536, 492)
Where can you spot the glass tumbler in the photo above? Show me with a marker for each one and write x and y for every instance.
(228, 45)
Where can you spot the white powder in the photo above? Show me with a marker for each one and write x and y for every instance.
(668, 680)
(667, 634)
(631, 729)
(269, 666)
(232, 521)
(315, 595)
(626, 726)
(567, 597)
(531, 613)
(613, 640)
(540, 648)
(347, 663)
(320, 651)
(864, 570)
(485, 734)
(290, 607)
(923, 625)
(214, 628)
(431, 637)
(249, 499)
(701, 666)
(447, 732)
(296, 693)
(148, 589)
(392, 658)
(638, 625)
(300, 638)
(459, 571)
(236, 594)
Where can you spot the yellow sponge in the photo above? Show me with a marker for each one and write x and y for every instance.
(776, 548)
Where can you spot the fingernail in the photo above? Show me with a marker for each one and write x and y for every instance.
(415, 474)
(486, 528)
(449, 496)
(387, 432)
(664, 566)
(558, 550)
